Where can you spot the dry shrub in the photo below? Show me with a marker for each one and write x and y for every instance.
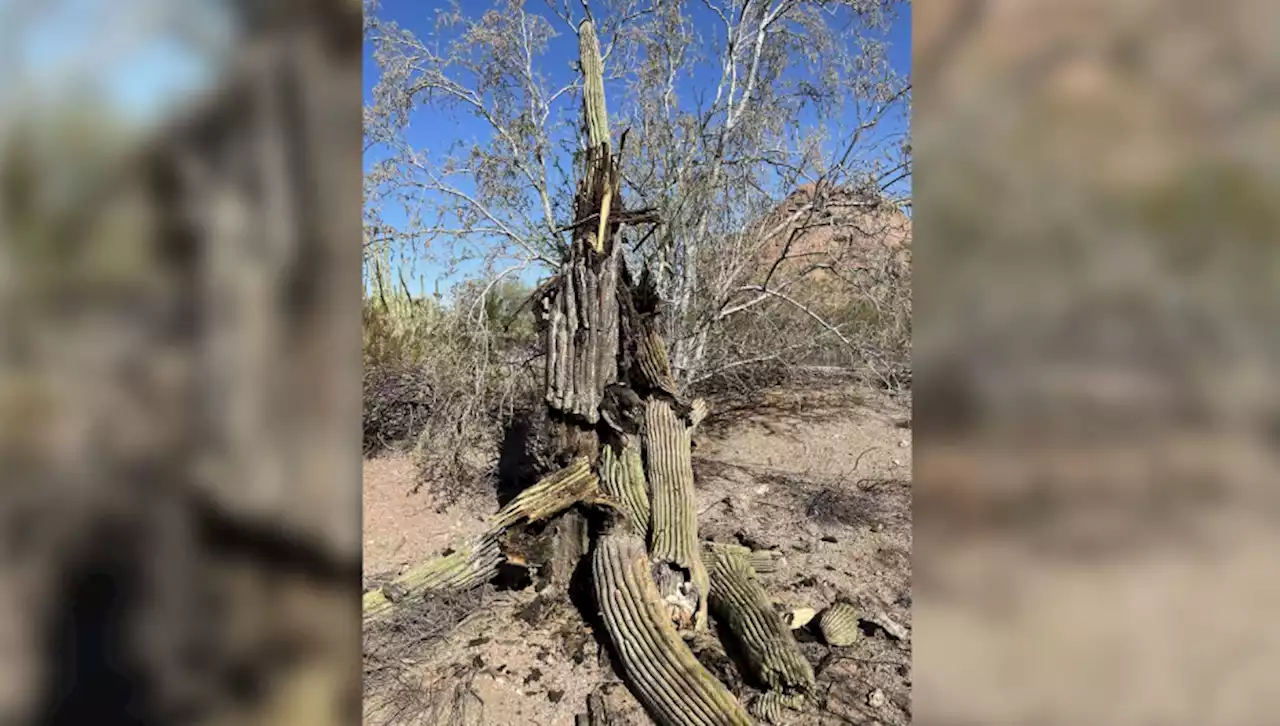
(395, 653)
(444, 381)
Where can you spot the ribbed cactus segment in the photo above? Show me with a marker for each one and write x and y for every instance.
(762, 562)
(738, 601)
(839, 624)
(596, 117)
(660, 668)
(469, 566)
(772, 706)
(551, 495)
(622, 479)
(674, 527)
(651, 355)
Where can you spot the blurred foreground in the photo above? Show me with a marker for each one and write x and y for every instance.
(1096, 402)
(179, 370)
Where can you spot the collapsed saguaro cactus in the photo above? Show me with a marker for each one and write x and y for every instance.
(662, 671)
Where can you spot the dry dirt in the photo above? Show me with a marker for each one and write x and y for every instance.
(825, 478)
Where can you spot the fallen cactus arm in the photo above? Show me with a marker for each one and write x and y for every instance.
(467, 567)
(550, 496)
(739, 602)
(662, 671)
(763, 562)
(839, 624)
(476, 562)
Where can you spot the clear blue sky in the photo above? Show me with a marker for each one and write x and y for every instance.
(433, 129)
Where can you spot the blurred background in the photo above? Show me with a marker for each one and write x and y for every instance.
(1095, 298)
(179, 363)
(1096, 411)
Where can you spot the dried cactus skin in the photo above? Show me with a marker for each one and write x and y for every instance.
(738, 601)
(839, 624)
(660, 668)
(674, 526)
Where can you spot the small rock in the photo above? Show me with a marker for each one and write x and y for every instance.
(877, 526)
(829, 538)
(762, 489)
(477, 641)
(477, 661)
(876, 699)
(897, 462)
(534, 675)
(902, 444)
(555, 696)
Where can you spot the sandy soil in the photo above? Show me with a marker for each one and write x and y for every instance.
(824, 478)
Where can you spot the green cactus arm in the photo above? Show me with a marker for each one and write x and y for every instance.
(467, 567)
(550, 496)
(622, 479)
(674, 520)
(772, 706)
(660, 668)
(738, 601)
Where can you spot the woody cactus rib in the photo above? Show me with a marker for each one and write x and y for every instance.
(738, 601)
(674, 527)
(662, 671)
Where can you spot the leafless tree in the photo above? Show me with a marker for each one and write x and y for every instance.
(723, 109)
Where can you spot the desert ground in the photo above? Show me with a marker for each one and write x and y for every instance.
(822, 475)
